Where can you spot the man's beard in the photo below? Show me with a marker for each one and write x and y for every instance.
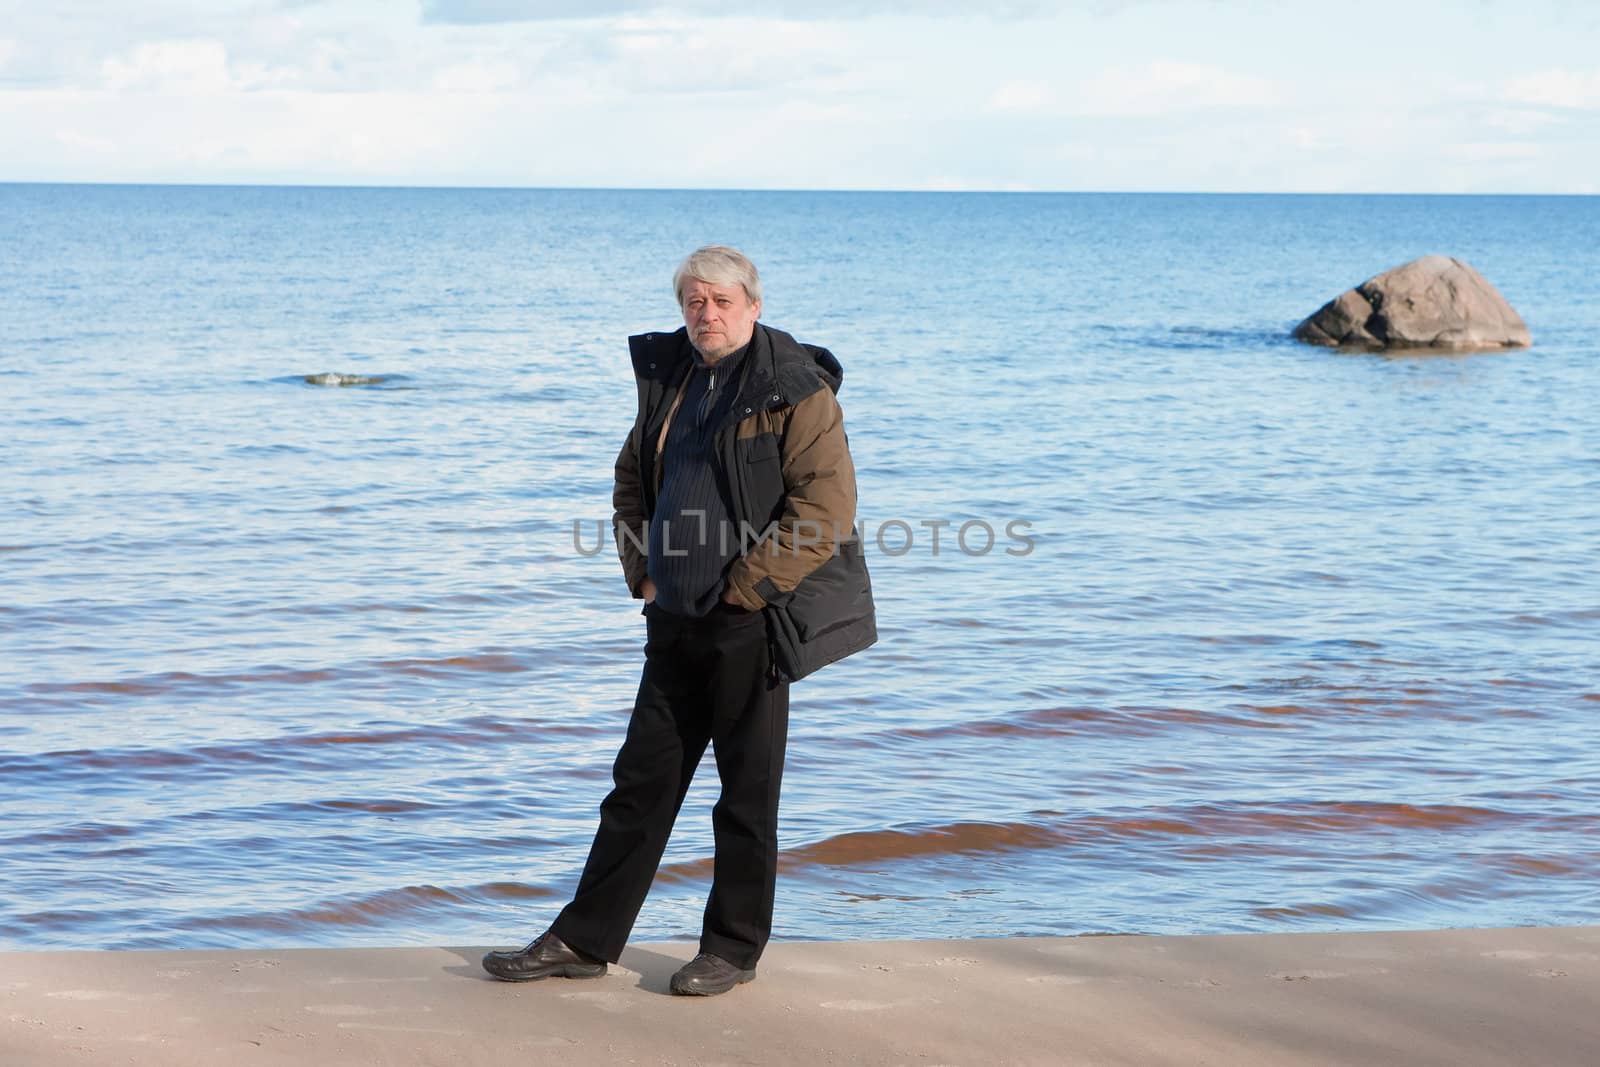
(717, 355)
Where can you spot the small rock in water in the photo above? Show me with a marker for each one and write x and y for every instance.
(330, 378)
(1435, 302)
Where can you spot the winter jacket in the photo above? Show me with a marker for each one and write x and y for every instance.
(783, 461)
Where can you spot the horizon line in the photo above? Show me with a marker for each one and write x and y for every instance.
(446, 187)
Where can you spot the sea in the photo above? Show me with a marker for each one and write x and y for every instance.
(1185, 627)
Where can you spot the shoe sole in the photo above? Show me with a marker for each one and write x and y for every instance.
(566, 970)
(683, 989)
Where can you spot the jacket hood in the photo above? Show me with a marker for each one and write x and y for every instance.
(799, 369)
(827, 365)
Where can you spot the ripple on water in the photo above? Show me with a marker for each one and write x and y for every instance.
(372, 910)
(291, 751)
(184, 682)
(1246, 826)
(1298, 632)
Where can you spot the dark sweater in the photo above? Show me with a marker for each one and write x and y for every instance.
(692, 535)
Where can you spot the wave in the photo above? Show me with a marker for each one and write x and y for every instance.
(1218, 830)
(474, 732)
(1312, 699)
(378, 909)
(174, 682)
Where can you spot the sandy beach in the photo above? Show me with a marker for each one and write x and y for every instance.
(1456, 997)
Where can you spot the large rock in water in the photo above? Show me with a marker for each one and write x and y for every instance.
(1433, 302)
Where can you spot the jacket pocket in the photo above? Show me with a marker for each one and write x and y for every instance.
(832, 596)
(760, 472)
(828, 616)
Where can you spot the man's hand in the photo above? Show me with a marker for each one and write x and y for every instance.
(647, 589)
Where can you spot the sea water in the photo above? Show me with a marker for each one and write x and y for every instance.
(1268, 637)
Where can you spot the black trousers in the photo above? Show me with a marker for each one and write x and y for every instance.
(705, 680)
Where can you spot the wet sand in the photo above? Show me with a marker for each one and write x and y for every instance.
(1529, 995)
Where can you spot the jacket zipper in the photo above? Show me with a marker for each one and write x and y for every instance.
(709, 403)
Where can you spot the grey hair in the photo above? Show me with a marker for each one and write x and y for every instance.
(718, 265)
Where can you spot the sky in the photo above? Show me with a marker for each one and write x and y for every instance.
(1409, 96)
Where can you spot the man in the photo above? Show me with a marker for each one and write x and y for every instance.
(734, 515)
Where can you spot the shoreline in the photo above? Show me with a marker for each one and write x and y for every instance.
(1472, 996)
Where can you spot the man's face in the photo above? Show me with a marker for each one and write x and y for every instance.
(720, 318)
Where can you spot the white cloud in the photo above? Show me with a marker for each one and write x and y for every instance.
(474, 12)
(362, 131)
(178, 66)
(1482, 151)
(94, 145)
(1093, 94)
(726, 55)
(1556, 88)
(814, 113)
(200, 67)
(279, 135)
(1021, 97)
(477, 77)
(953, 184)
(1155, 90)
(1164, 87)
(1519, 121)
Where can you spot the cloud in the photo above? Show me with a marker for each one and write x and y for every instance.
(477, 77)
(1156, 90)
(1165, 87)
(197, 66)
(963, 184)
(1305, 138)
(354, 45)
(684, 56)
(1096, 94)
(1021, 97)
(103, 146)
(1519, 121)
(476, 12)
(1483, 151)
(178, 66)
(283, 135)
(1577, 90)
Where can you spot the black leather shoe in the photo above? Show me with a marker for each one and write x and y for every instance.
(707, 975)
(547, 957)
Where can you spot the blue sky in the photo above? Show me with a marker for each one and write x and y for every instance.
(1485, 96)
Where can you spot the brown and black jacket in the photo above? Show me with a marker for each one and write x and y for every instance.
(783, 464)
